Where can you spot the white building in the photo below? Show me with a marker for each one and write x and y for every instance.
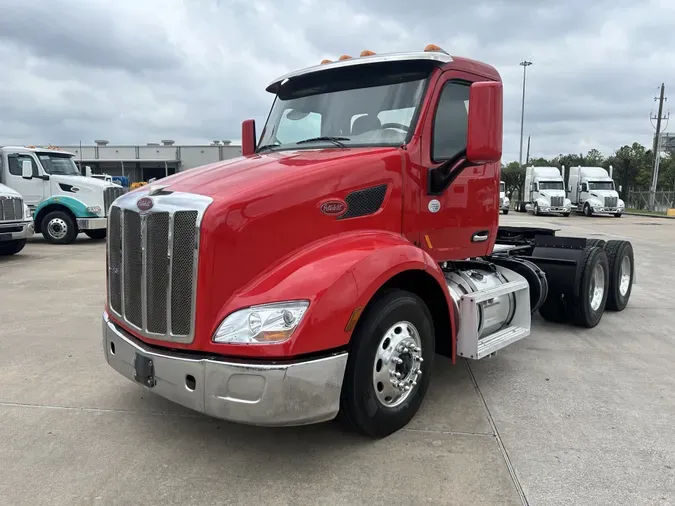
(153, 160)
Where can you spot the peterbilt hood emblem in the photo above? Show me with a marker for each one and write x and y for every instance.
(333, 207)
(145, 203)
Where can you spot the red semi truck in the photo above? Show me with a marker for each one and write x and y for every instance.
(318, 275)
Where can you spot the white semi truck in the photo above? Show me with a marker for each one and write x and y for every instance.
(504, 202)
(16, 222)
(591, 190)
(63, 202)
(545, 192)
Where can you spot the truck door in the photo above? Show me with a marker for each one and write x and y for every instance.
(32, 190)
(583, 192)
(457, 219)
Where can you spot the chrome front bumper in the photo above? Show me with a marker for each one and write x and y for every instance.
(265, 394)
(92, 223)
(16, 231)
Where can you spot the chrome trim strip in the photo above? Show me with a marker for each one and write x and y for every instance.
(122, 266)
(169, 287)
(144, 270)
(433, 56)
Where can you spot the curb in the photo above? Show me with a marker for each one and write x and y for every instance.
(663, 216)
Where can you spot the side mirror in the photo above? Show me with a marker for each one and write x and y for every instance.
(87, 170)
(485, 123)
(27, 169)
(248, 137)
(508, 193)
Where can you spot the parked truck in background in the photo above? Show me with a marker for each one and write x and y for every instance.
(504, 202)
(62, 201)
(16, 222)
(545, 191)
(318, 275)
(592, 191)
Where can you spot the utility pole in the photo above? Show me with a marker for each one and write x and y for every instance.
(527, 156)
(523, 64)
(657, 148)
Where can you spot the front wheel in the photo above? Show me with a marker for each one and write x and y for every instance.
(617, 215)
(12, 247)
(59, 227)
(98, 233)
(389, 365)
(587, 210)
(565, 214)
(505, 211)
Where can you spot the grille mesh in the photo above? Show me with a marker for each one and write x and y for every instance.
(115, 259)
(133, 268)
(11, 209)
(157, 264)
(184, 241)
(611, 201)
(557, 201)
(109, 196)
(364, 202)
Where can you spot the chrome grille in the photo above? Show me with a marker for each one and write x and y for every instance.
(611, 201)
(11, 209)
(109, 196)
(557, 201)
(152, 263)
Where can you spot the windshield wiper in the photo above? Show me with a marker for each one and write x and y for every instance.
(334, 140)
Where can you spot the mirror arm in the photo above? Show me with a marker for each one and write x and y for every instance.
(440, 178)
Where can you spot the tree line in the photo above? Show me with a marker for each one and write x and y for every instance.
(632, 168)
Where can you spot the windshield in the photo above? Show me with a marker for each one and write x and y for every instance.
(601, 185)
(58, 164)
(502, 187)
(551, 185)
(368, 110)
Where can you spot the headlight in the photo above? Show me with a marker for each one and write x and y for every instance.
(26, 212)
(94, 209)
(265, 324)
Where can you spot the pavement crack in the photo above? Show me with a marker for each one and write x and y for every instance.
(95, 410)
(500, 443)
(450, 432)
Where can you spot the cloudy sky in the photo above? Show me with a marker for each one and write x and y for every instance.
(137, 71)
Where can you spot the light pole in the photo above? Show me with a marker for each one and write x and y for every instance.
(523, 64)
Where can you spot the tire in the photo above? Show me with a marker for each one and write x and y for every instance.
(506, 211)
(552, 310)
(521, 207)
(587, 210)
(536, 209)
(360, 406)
(600, 243)
(12, 247)
(565, 214)
(581, 312)
(620, 259)
(98, 233)
(617, 215)
(59, 227)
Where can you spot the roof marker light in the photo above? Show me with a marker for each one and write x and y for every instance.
(367, 52)
(345, 57)
(434, 48)
(323, 62)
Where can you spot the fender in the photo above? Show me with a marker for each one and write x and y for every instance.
(77, 207)
(337, 275)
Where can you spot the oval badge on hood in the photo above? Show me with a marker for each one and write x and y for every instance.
(144, 203)
(333, 207)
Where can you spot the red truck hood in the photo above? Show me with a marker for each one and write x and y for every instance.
(233, 177)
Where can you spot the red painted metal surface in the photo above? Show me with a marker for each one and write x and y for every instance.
(274, 231)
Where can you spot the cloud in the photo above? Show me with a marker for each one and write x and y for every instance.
(137, 71)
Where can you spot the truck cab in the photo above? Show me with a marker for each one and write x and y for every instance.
(62, 201)
(592, 191)
(545, 191)
(504, 202)
(16, 222)
(318, 274)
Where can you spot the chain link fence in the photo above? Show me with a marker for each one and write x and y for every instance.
(663, 201)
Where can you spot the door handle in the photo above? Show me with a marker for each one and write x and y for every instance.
(481, 236)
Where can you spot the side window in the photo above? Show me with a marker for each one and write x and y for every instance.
(584, 187)
(15, 162)
(450, 121)
(295, 126)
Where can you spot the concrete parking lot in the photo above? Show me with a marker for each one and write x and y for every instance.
(567, 416)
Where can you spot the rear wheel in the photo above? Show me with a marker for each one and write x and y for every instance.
(98, 233)
(587, 309)
(384, 385)
(12, 247)
(621, 270)
(600, 243)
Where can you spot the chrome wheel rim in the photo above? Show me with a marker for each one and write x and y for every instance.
(624, 272)
(57, 228)
(597, 289)
(398, 364)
